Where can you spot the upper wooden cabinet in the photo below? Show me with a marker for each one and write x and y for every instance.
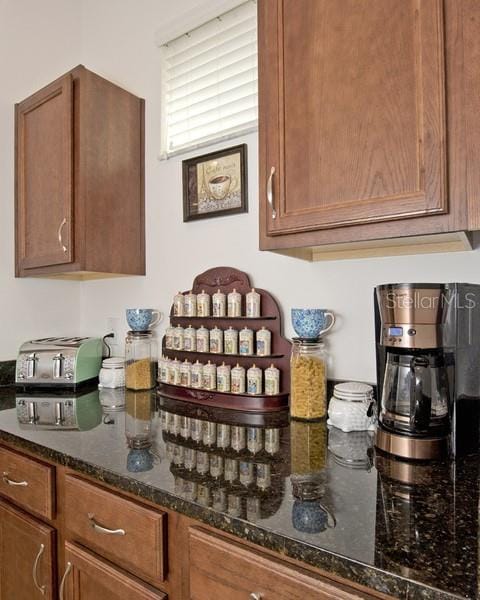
(80, 180)
(365, 111)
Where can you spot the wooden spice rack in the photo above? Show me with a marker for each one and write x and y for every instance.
(226, 279)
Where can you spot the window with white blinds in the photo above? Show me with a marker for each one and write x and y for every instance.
(209, 82)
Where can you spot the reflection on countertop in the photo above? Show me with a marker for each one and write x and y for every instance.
(314, 494)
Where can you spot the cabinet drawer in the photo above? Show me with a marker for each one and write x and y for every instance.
(123, 531)
(28, 483)
(222, 569)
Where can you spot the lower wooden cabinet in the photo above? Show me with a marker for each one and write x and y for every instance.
(87, 577)
(221, 569)
(27, 557)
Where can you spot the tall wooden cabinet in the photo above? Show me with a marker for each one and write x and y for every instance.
(365, 120)
(80, 180)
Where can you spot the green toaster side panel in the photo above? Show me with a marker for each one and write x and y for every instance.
(89, 360)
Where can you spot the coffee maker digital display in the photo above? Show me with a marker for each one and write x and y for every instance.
(428, 369)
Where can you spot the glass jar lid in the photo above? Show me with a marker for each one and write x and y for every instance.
(115, 362)
(353, 391)
(140, 334)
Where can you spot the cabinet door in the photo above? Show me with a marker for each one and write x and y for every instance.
(352, 112)
(26, 557)
(87, 577)
(44, 133)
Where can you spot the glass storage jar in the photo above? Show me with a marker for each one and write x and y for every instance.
(140, 360)
(308, 380)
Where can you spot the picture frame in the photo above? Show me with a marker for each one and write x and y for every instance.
(215, 184)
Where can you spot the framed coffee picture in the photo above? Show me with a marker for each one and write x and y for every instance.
(215, 184)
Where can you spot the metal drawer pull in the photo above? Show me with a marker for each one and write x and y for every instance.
(101, 529)
(64, 580)
(60, 239)
(255, 596)
(270, 194)
(40, 588)
(11, 482)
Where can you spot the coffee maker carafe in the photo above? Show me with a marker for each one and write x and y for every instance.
(429, 400)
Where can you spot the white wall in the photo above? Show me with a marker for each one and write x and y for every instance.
(38, 42)
(118, 42)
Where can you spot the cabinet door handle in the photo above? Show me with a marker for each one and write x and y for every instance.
(9, 481)
(270, 192)
(99, 529)
(64, 580)
(40, 588)
(60, 239)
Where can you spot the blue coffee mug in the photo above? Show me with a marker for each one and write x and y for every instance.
(311, 323)
(142, 319)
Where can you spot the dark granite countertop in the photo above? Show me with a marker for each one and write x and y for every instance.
(410, 532)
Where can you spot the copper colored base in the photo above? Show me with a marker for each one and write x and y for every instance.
(412, 448)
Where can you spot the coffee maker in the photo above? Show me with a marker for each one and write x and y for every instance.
(428, 369)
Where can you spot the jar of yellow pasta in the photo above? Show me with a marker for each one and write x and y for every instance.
(308, 380)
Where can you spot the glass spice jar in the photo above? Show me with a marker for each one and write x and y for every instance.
(209, 376)
(163, 369)
(203, 339)
(219, 304)
(264, 342)
(189, 339)
(230, 345)
(178, 305)
(272, 380)
(252, 301)
(216, 341)
(186, 373)
(190, 305)
(245, 341)
(203, 304)
(140, 360)
(169, 337)
(254, 380)
(197, 375)
(308, 380)
(173, 372)
(234, 304)
(178, 338)
(223, 378)
(238, 379)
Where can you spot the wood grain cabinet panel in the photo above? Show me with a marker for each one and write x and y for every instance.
(80, 180)
(27, 557)
(123, 531)
(221, 569)
(45, 179)
(356, 138)
(86, 577)
(28, 483)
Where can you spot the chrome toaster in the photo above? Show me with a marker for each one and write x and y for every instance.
(58, 362)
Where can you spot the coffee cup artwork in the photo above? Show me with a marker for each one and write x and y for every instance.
(220, 185)
(215, 184)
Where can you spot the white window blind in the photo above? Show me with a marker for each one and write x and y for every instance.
(209, 81)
